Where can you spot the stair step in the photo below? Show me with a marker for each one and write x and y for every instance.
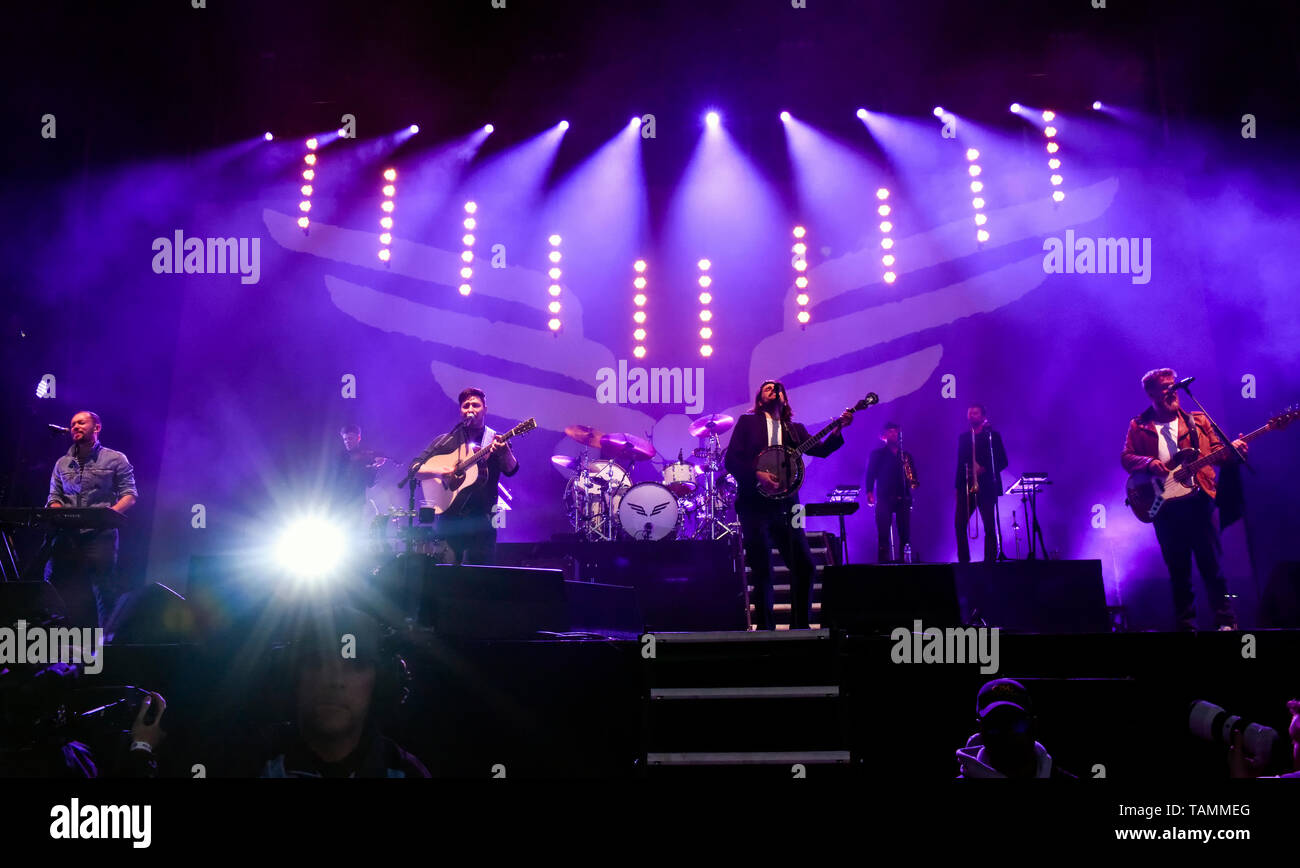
(709, 637)
(744, 758)
(791, 692)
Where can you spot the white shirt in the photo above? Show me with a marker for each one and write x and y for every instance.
(1168, 432)
(770, 423)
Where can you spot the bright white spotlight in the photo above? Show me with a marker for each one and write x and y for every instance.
(564, 125)
(862, 114)
(713, 120)
(488, 128)
(636, 122)
(1096, 106)
(311, 548)
(785, 116)
(938, 111)
(1015, 107)
(414, 128)
(269, 137)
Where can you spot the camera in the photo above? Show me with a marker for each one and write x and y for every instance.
(1212, 723)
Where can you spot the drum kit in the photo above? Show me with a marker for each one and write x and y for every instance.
(691, 500)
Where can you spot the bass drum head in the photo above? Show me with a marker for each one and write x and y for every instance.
(648, 512)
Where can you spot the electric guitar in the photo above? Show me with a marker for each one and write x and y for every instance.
(451, 478)
(1147, 493)
(786, 462)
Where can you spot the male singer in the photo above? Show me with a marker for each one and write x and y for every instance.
(889, 490)
(981, 458)
(765, 521)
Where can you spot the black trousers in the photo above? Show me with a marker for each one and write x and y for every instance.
(886, 509)
(762, 527)
(988, 517)
(472, 539)
(1186, 529)
(83, 569)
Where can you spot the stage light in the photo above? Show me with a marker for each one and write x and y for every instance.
(882, 194)
(862, 114)
(982, 236)
(972, 154)
(938, 111)
(489, 129)
(554, 256)
(385, 254)
(887, 243)
(638, 300)
(705, 299)
(553, 289)
(1053, 162)
(470, 223)
(803, 317)
(975, 170)
(554, 274)
(387, 205)
(553, 307)
(1096, 106)
(390, 174)
(1053, 147)
(466, 273)
(976, 186)
(385, 238)
(1015, 107)
(1056, 180)
(1049, 116)
(467, 240)
(564, 125)
(311, 548)
(471, 207)
(706, 333)
(639, 351)
(800, 265)
(304, 206)
(712, 120)
(306, 189)
(1058, 196)
(310, 159)
(705, 280)
(883, 210)
(977, 203)
(554, 240)
(312, 144)
(785, 116)
(389, 190)
(303, 222)
(553, 325)
(704, 265)
(1049, 132)
(706, 350)
(386, 222)
(268, 136)
(981, 219)
(414, 128)
(465, 289)
(467, 256)
(887, 259)
(886, 226)
(308, 174)
(890, 277)
(636, 121)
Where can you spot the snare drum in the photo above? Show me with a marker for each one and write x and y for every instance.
(649, 512)
(679, 478)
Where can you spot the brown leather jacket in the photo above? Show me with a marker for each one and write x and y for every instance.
(1142, 445)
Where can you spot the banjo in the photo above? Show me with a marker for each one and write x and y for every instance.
(786, 462)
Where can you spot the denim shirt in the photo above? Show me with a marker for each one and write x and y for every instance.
(103, 479)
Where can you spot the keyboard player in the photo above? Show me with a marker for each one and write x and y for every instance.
(83, 562)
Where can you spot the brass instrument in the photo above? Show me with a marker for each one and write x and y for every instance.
(909, 472)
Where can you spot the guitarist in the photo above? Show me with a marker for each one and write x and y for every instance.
(467, 524)
(764, 522)
(1185, 527)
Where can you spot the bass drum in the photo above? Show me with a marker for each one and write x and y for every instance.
(649, 512)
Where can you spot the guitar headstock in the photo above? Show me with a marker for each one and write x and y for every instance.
(871, 398)
(1285, 418)
(523, 427)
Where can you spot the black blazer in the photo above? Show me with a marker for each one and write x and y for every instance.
(750, 438)
(991, 479)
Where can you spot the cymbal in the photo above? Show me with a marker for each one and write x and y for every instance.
(584, 434)
(629, 445)
(567, 465)
(714, 423)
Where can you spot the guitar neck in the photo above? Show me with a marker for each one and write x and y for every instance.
(816, 438)
(1223, 450)
(482, 453)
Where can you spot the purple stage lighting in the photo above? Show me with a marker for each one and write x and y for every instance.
(268, 136)
(414, 128)
(636, 122)
(1096, 106)
(564, 125)
(862, 114)
(713, 120)
(785, 116)
(1015, 107)
(938, 111)
(489, 129)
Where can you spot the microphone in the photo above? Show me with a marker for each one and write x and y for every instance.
(57, 427)
(1179, 384)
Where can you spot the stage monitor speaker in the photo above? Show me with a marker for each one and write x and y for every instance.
(607, 610)
(33, 602)
(152, 615)
(1280, 604)
(1034, 596)
(870, 599)
(480, 602)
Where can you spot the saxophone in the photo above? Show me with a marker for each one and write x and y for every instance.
(909, 472)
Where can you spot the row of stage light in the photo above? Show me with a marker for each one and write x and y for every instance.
(640, 298)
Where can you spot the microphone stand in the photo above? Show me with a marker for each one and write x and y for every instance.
(1223, 437)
